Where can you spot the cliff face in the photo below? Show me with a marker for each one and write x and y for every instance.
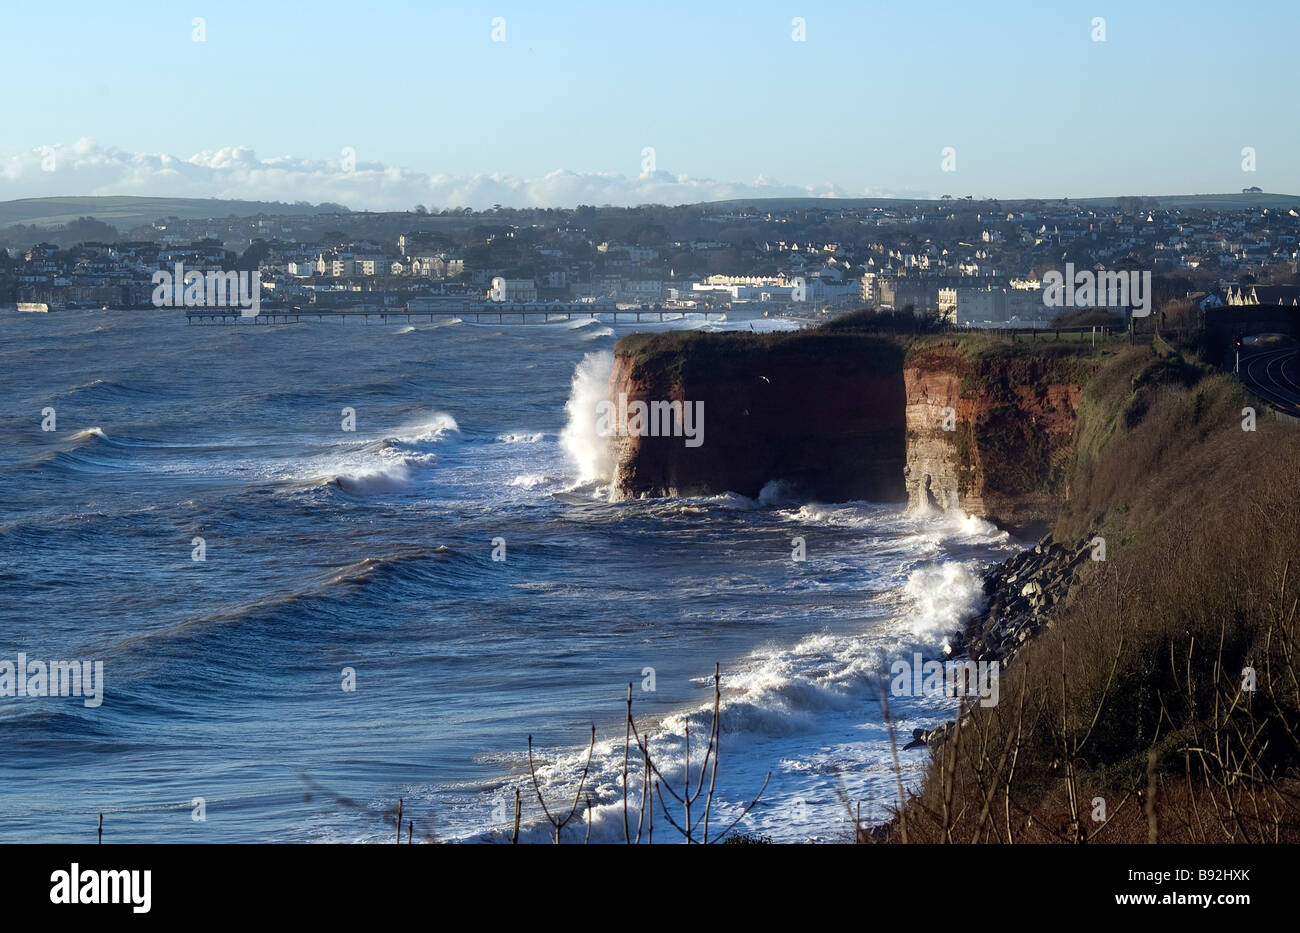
(846, 416)
(990, 437)
(935, 476)
(821, 412)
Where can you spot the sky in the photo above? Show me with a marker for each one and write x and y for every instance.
(387, 105)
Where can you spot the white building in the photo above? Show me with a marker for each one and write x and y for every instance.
(371, 265)
(999, 305)
(516, 290)
(642, 289)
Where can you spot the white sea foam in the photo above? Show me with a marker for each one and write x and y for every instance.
(529, 480)
(701, 505)
(377, 467)
(975, 527)
(374, 480)
(590, 452)
(440, 426)
(826, 685)
(945, 595)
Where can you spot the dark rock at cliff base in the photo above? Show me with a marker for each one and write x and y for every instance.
(922, 738)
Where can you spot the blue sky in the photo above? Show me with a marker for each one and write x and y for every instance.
(435, 109)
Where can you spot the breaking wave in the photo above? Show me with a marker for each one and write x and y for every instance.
(592, 453)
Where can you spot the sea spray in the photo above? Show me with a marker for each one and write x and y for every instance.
(945, 596)
(435, 429)
(371, 480)
(591, 453)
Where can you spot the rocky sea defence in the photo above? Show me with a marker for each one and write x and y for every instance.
(1021, 593)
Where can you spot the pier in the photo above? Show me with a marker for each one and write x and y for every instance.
(430, 310)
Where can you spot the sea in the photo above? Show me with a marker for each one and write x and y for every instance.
(331, 566)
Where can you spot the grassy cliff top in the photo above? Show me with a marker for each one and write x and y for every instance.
(672, 354)
(995, 367)
(984, 361)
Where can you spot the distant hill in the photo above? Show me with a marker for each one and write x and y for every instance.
(127, 212)
(1236, 201)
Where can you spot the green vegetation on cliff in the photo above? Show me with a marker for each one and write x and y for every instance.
(995, 368)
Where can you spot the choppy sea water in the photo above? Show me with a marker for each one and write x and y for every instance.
(371, 550)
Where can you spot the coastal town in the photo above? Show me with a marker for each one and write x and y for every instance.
(962, 261)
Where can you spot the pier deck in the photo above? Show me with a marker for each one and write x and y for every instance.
(499, 314)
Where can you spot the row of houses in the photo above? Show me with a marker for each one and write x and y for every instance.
(345, 265)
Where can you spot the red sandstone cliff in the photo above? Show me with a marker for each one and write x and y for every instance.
(818, 412)
(846, 416)
(989, 437)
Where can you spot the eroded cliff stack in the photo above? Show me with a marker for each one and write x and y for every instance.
(820, 411)
(842, 415)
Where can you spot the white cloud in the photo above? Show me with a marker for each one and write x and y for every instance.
(235, 172)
